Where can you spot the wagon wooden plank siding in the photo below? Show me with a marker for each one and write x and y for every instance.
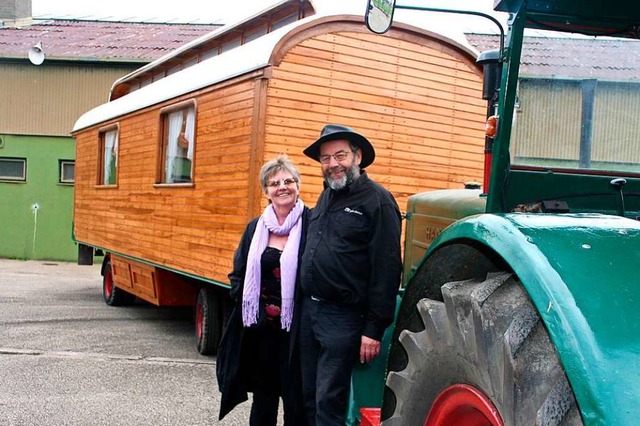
(426, 110)
(415, 94)
(192, 229)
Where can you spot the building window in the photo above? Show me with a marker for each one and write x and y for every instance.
(108, 156)
(13, 169)
(67, 170)
(177, 144)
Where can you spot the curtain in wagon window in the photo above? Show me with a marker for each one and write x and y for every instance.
(191, 126)
(179, 150)
(175, 125)
(110, 157)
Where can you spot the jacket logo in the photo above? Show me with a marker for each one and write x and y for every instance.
(348, 210)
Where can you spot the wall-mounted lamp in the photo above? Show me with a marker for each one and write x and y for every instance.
(36, 54)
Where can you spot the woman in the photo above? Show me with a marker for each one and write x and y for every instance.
(257, 352)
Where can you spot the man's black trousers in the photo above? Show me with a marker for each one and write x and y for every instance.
(330, 337)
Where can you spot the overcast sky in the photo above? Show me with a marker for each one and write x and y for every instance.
(203, 11)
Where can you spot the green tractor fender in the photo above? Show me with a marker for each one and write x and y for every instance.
(581, 272)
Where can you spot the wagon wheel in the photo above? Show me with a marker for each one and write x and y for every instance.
(114, 296)
(209, 317)
(484, 358)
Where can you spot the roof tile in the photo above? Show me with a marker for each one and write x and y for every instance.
(565, 57)
(99, 40)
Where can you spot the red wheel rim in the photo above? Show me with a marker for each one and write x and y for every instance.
(463, 405)
(199, 317)
(108, 285)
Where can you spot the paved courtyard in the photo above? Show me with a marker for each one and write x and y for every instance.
(69, 359)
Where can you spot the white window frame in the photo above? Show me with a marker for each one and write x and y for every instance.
(108, 164)
(62, 164)
(8, 178)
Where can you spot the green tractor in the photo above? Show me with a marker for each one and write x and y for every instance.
(520, 300)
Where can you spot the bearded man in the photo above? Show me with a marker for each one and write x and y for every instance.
(350, 273)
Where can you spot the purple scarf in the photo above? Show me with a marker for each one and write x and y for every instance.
(268, 222)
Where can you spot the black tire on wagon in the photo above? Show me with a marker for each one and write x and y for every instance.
(209, 318)
(114, 296)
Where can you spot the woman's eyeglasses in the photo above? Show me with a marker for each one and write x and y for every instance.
(286, 182)
(339, 156)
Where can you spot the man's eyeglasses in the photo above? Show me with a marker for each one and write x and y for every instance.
(339, 156)
(286, 182)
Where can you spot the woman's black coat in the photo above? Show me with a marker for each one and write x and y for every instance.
(228, 368)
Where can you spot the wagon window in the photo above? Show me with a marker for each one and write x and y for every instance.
(108, 155)
(284, 21)
(256, 33)
(231, 44)
(178, 130)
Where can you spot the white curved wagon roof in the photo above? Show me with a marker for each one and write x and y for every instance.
(235, 62)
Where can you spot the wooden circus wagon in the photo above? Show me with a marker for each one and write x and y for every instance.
(167, 170)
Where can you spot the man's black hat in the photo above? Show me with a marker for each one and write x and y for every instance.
(332, 132)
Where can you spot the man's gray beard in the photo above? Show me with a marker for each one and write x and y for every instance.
(351, 174)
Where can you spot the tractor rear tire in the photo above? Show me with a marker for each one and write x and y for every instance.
(114, 296)
(483, 358)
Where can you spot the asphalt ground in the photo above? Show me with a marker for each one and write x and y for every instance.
(66, 358)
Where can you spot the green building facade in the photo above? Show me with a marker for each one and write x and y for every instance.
(50, 76)
(36, 213)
